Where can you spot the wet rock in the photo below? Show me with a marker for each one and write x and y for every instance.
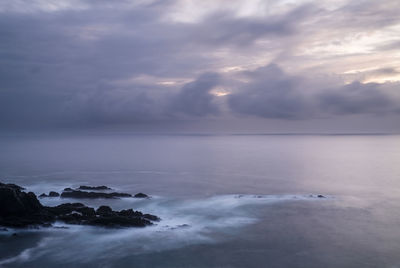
(92, 195)
(104, 210)
(20, 209)
(12, 185)
(53, 194)
(98, 188)
(321, 196)
(43, 195)
(151, 217)
(67, 189)
(130, 213)
(141, 195)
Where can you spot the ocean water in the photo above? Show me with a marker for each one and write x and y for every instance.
(224, 200)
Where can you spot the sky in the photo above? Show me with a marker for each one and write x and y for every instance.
(284, 66)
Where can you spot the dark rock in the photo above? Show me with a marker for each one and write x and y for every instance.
(12, 185)
(92, 195)
(116, 220)
(130, 213)
(320, 196)
(67, 189)
(68, 208)
(99, 188)
(151, 217)
(43, 195)
(20, 209)
(53, 194)
(104, 210)
(141, 195)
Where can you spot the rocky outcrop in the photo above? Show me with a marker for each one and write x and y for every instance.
(141, 195)
(21, 209)
(92, 195)
(96, 188)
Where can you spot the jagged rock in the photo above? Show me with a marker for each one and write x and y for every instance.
(104, 210)
(151, 217)
(53, 194)
(141, 195)
(83, 187)
(68, 208)
(12, 185)
(20, 209)
(92, 195)
(130, 213)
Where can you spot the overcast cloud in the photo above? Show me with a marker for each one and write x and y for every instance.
(82, 63)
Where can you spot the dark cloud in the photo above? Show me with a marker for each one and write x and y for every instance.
(358, 98)
(195, 98)
(271, 93)
(82, 64)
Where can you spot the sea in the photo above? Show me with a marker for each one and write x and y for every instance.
(225, 200)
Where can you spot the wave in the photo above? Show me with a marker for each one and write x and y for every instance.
(184, 222)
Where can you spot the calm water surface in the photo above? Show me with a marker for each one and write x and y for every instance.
(224, 200)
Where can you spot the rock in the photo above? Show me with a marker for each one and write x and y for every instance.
(43, 195)
(92, 195)
(12, 185)
(67, 189)
(151, 217)
(99, 188)
(141, 195)
(69, 208)
(53, 194)
(321, 196)
(104, 210)
(20, 209)
(130, 213)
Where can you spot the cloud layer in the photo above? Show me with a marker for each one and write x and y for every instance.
(82, 63)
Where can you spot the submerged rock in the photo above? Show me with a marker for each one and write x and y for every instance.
(20, 209)
(53, 194)
(83, 187)
(92, 195)
(141, 195)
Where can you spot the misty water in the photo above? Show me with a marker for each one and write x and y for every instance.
(224, 200)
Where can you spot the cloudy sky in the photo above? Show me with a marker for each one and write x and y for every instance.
(209, 65)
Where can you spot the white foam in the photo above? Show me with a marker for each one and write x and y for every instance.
(184, 222)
